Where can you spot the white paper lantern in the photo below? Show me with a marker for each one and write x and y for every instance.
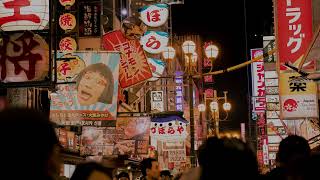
(67, 21)
(67, 2)
(154, 42)
(68, 44)
(31, 15)
(154, 15)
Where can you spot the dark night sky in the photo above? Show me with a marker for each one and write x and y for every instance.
(223, 22)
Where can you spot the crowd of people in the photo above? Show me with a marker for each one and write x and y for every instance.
(31, 150)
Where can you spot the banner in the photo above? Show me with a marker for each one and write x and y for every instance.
(93, 96)
(89, 18)
(293, 30)
(134, 67)
(298, 98)
(258, 82)
(157, 101)
(179, 90)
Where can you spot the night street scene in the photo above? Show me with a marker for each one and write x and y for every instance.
(160, 89)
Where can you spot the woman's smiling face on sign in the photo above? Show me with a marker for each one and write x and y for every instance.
(91, 87)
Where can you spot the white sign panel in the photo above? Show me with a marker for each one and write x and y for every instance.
(258, 81)
(157, 101)
(24, 15)
(154, 15)
(299, 106)
(154, 42)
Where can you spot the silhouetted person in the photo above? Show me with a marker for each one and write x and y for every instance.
(292, 159)
(227, 158)
(123, 176)
(29, 146)
(313, 166)
(165, 175)
(150, 169)
(91, 171)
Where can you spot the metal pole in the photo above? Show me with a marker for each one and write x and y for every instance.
(192, 153)
(216, 114)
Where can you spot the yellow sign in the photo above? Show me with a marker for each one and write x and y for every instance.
(293, 84)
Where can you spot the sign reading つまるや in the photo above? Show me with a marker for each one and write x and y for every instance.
(24, 15)
(23, 57)
(154, 15)
(171, 127)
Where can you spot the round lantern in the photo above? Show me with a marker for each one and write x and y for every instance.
(67, 2)
(33, 15)
(68, 44)
(157, 67)
(29, 58)
(154, 42)
(67, 21)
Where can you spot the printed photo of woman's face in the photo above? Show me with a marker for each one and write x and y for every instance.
(91, 87)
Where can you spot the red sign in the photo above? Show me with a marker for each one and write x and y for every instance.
(134, 67)
(294, 30)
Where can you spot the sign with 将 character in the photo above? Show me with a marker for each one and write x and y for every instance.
(24, 57)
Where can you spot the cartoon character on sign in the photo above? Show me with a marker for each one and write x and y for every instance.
(69, 69)
(95, 84)
(67, 21)
(154, 42)
(22, 15)
(23, 57)
(154, 15)
(290, 105)
(133, 28)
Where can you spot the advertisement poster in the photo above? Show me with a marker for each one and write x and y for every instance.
(135, 130)
(89, 18)
(293, 30)
(298, 97)
(93, 93)
(134, 66)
